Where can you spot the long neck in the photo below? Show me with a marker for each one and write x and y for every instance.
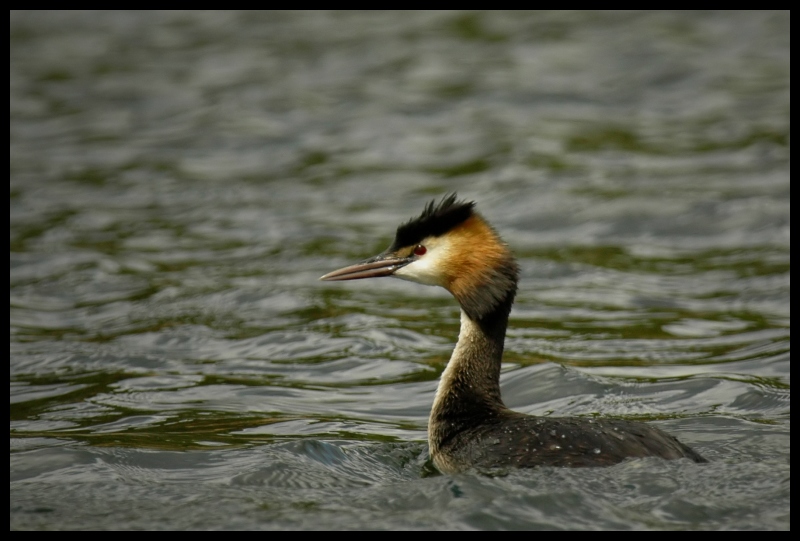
(469, 389)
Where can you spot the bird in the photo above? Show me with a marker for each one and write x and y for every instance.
(451, 245)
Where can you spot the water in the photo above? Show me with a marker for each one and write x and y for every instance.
(179, 181)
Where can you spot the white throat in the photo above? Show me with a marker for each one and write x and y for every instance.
(465, 339)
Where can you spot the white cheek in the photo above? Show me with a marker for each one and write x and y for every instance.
(426, 270)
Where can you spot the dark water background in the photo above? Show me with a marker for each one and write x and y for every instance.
(179, 181)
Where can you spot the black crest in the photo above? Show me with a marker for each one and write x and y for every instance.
(434, 221)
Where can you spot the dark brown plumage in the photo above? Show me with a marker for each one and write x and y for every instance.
(452, 246)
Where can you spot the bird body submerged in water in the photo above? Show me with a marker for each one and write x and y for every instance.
(452, 246)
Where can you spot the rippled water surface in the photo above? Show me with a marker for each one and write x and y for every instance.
(179, 181)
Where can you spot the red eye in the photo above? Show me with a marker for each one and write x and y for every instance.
(420, 250)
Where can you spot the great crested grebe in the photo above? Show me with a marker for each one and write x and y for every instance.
(452, 246)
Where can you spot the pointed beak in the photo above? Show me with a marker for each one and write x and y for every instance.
(374, 267)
